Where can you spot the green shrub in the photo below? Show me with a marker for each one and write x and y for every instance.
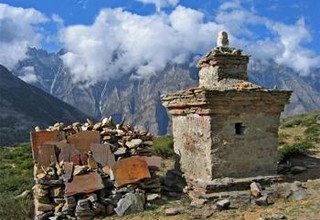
(313, 133)
(303, 148)
(288, 123)
(163, 146)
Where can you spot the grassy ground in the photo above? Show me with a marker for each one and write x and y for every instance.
(299, 134)
(16, 168)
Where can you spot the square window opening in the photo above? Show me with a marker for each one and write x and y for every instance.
(239, 128)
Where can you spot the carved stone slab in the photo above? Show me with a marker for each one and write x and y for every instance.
(39, 137)
(47, 155)
(130, 170)
(86, 183)
(83, 139)
(102, 154)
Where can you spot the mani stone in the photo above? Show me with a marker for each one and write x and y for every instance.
(102, 154)
(39, 137)
(130, 170)
(83, 139)
(228, 126)
(47, 155)
(86, 183)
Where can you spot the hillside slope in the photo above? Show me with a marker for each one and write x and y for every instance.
(23, 106)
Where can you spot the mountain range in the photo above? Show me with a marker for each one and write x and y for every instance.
(23, 106)
(137, 100)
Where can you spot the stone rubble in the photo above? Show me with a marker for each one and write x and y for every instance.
(223, 204)
(256, 189)
(174, 211)
(93, 169)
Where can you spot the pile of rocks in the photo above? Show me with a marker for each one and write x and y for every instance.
(91, 169)
(239, 191)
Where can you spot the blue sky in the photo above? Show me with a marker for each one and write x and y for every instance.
(286, 31)
(84, 11)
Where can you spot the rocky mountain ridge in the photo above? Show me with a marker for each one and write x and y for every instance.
(138, 100)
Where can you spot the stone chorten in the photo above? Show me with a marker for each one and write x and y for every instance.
(226, 127)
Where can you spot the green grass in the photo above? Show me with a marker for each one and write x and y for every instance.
(163, 146)
(299, 135)
(300, 148)
(16, 169)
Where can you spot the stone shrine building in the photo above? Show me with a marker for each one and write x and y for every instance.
(228, 126)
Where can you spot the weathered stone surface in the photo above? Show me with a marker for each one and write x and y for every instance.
(202, 213)
(102, 154)
(298, 193)
(38, 138)
(130, 170)
(65, 153)
(122, 206)
(174, 211)
(43, 206)
(58, 208)
(67, 171)
(83, 139)
(152, 197)
(131, 202)
(120, 151)
(47, 155)
(134, 143)
(92, 163)
(223, 204)
(56, 191)
(83, 208)
(78, 170)
(106, 169)
(278, 216)
(73, 186)
(70, 202)
(255, 189)
(44, 216)
(264, 200)
(297, 169)
(154, 162)
(59, 200)
(86, 183)
(228, 125)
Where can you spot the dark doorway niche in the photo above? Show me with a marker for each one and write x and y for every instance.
(239, 128)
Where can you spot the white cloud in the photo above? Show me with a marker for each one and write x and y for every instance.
(29, 75)
(285, 44)
(19, 30)
(160, 3)
(119, 42)
(293, 54)
(58, 20)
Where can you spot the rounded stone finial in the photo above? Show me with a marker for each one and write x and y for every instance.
(222, 39)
